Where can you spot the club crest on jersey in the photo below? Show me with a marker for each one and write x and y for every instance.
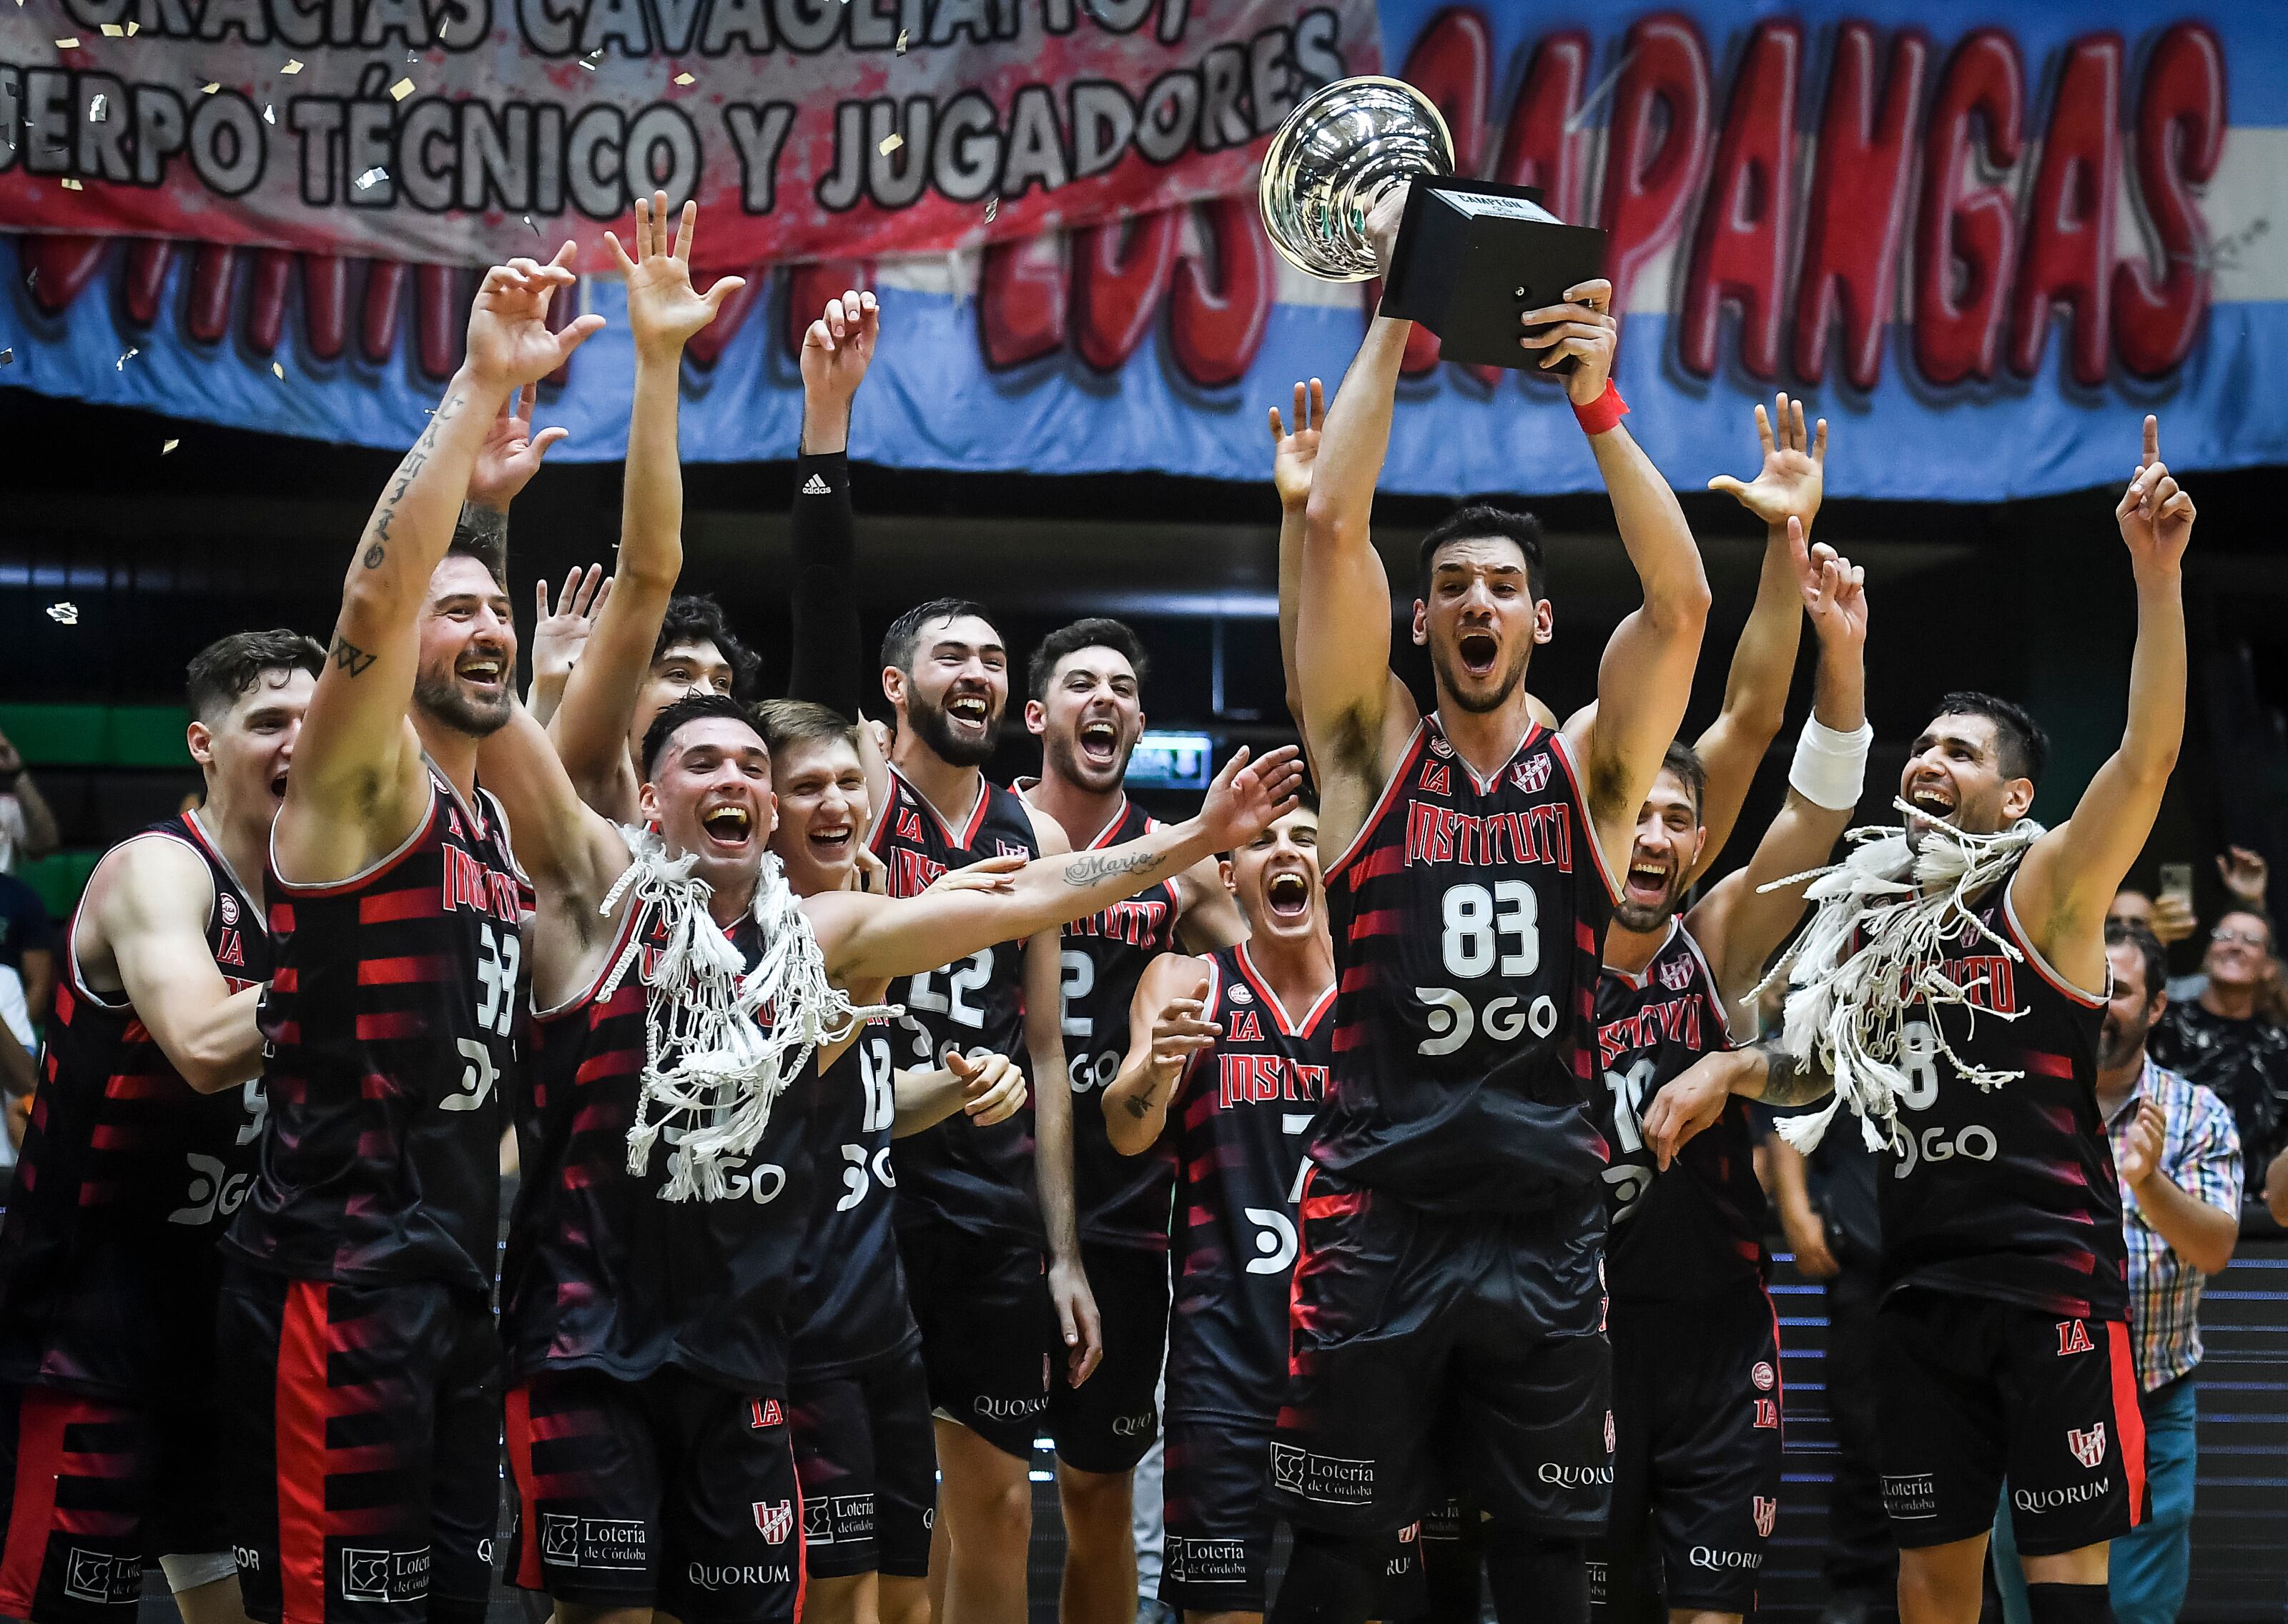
(1764, 1376)
(1439, 746)
(2073, 1337)
(1437, 778)
(775, 1519)
(1245, 1028)
(1531, 775)
(764, 1413)
(226, 908)
(1238, 994)
(2088, 1448)
(1768, 1512)
(909, 824)
(1676, 975)
(1011, 848)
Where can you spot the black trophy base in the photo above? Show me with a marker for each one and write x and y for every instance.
(1473, 256)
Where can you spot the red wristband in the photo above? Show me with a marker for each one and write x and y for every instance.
(1601, 412)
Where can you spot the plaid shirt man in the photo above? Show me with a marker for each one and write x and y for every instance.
(2200, 1154)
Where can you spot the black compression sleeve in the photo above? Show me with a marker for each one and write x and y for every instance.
(829, 659)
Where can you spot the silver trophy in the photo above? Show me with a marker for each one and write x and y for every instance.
(1340, 151)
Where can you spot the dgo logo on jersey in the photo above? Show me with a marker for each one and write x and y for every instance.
(2073, 1337)
(2088, 1448)
(775, 1519)
(1531, 776)
(1768, 1512)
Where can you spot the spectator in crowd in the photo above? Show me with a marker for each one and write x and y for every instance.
(28, 828)
(2247, 878)
(2179, 1161)
(2230, 1039)
(1827, 1208)
(28, 944)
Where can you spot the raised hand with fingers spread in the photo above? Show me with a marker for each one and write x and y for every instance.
(559, 636)
(511, 452)
(664, 310)
(1833, 589)
(1794, 473)
(510, 344)
(1293, 452)
(836, 352)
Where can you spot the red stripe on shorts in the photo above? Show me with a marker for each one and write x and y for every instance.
(39, 1423)
(301, 1451)
(519, 1469)
(2128, 1416)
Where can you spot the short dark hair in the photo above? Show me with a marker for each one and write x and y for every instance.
(2149, 948)
(1685, 762)
(691, 708)
(488, 548)
(2020, 744)
(800, 721)
(1474, 522)
(1096, 631)
(696, 617)
(906, 631)
(227, 667)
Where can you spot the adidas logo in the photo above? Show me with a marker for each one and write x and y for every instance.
(816, 486)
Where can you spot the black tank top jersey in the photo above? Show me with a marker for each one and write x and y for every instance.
(394, 1022)
(1242, 1122)
(975, 1179)
(2008, 1193)
(108, 1262)
(1698, 1227)
(849, 1307)
(1469, 923)
(1123, 1200)
(602, 1274)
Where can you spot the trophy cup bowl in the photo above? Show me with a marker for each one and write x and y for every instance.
(1341, 149)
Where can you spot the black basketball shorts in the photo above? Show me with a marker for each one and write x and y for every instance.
(866, 1453)
(89, 1489)
(362, 1457)
(1430, 1351)
(990, 1331)
(667, 1493)
(1971, 1391)
(1106, 1424)
(1697, 1413)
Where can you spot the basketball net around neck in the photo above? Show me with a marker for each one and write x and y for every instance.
(1847, 1008)
(719, 1046)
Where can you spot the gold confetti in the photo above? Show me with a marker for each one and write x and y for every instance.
(442, 27)
(686, 79)
(170, 446)
(269, 113)
(99, 109)
(69, 43)
(399, 90)
(121, 364)
(372, 178)
(277, 372)
(901, 41)
(64, 614)
(73, 185)
(891, 143)
(209, 89)
(992, 208)
(112, 31)
(293, 66)
(133, 29)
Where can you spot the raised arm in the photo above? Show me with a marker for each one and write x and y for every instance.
(1738, 923)
(1293, 456)
(1209, 915)
(1168, 1029)
(829, 663)
(1645, 681)
(2069, 877)
(866, 938)
(358, 784)
(591, 727)
(559, 636)
(146, 922)
(1788, 485)
(40, 835)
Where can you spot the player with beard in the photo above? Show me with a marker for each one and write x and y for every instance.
(648, 1330)
(1446, 1323)
(139, 1148)
(985, 1215)
(1950, 988)
(1086, 682)
(649, 646)
(857, 1397)
(357, 1350)
(1695, 1350)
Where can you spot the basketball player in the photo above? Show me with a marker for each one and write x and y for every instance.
(985, 1215)
(649, 1336)
(1086, 682)
(649, 646)
(357, 1350)
(139, 1148)
(1967, 1013)
(1447, 1320)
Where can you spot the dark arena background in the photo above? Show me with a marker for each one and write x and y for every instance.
(1981, 243)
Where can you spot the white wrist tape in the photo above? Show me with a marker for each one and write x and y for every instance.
(188, 1572)
(1830, 768)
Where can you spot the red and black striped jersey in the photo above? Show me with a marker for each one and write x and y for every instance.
(1698, 1227)
(108, 1262)
(849, 1305)
(393, 1027)
(1121, 1201)
(1469, 925)
(600, 1273)
(2007, 1193)
(1242, 1118)
(975, 1179)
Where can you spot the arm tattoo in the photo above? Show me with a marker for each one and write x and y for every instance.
(349, 656)
(481, 527)
(1138, 1104)
(1090, 866)
(1790, 1081)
